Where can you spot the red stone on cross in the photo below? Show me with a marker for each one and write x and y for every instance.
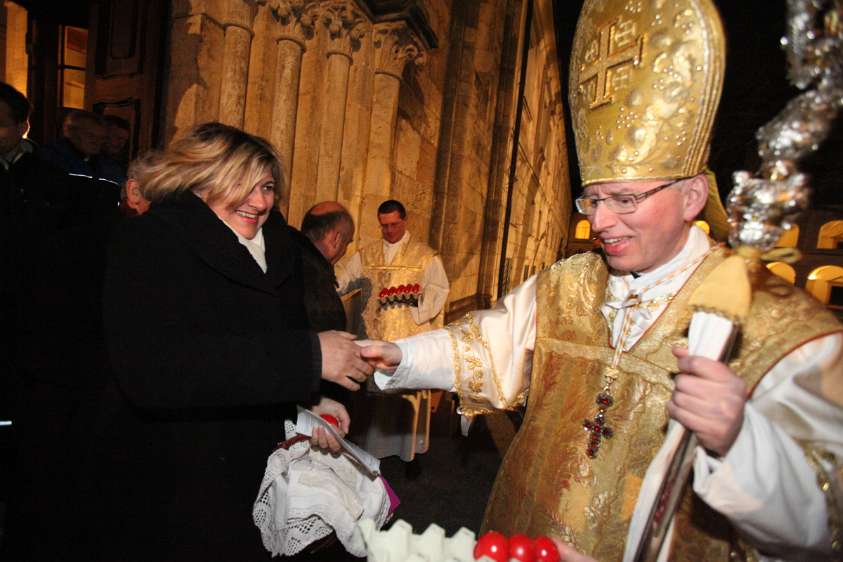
(597, 428)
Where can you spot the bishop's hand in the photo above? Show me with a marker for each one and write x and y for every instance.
(382, 355)
(709, 400)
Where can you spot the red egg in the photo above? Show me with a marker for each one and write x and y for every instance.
(330, 419)
(416, 288)
(383, 293)
(494, 545)
(402, 288)
(545, 550)
(521, 548)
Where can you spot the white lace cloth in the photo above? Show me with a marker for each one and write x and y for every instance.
(306, 494)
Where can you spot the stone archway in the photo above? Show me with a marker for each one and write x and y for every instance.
(823, 280)
(830, 236)
(783, 270)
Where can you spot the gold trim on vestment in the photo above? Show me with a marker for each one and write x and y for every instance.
(395, 268)
(471, 349)
(815, 455)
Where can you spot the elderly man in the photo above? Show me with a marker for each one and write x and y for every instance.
(404, 290)
(326, 230)
(596, 341)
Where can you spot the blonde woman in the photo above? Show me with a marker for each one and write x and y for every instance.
(210, 348)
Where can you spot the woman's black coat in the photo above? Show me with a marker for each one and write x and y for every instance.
(209, 354)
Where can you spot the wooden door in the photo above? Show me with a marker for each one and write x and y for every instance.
(125, 65)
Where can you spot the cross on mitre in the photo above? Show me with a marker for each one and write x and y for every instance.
(615, 49)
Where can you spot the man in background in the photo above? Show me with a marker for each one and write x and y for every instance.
(132, 200)
(53, 232)
(414, 275)
(326, 231)
(80, 150)
(116, 145)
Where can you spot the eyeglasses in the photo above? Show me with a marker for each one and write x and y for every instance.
(621, 203)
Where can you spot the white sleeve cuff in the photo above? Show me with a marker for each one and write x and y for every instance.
(426, 362)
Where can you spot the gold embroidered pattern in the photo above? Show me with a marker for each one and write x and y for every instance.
(815, 457)
(644, 86)
(466, 338)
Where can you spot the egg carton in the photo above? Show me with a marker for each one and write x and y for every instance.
(399, 544)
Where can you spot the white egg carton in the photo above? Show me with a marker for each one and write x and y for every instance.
(399, 544)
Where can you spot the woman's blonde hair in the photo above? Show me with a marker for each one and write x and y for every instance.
(216, 161)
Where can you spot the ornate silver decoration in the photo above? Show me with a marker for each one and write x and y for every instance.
(762, 207)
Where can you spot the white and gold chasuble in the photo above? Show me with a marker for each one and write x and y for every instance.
(551, 338)
(406, 267)
(396, 425)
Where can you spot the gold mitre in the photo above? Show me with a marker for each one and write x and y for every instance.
(645, 82)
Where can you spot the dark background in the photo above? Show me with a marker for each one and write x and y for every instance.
(755, 90)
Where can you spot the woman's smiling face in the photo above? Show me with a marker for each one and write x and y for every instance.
(246, 217)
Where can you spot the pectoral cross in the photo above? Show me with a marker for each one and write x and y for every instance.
(597, 428)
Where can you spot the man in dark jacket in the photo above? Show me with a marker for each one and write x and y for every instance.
(28, 205)
(26, 215)
(53, 231)
(326, 231)
(32, 206)
(80, 151)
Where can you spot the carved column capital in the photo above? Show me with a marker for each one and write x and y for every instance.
(240, 14)
(296, 19)
(396, 45)
(346, 26)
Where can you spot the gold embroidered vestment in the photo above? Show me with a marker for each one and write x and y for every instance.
(407, 267)
(547, 484)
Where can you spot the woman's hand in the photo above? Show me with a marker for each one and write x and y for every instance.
(322, 438)
(341, 361)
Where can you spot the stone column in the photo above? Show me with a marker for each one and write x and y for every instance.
(345, 25)
(296, 20)
(395, 46)
(237, 27)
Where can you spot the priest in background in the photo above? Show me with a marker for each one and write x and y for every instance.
(413, 275)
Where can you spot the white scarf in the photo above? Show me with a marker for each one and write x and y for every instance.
(256, 246)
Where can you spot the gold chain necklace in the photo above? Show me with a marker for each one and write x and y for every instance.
(596, 428)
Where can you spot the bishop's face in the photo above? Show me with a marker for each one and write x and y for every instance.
(649, 236)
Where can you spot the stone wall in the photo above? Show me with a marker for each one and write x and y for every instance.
(541, 204)
(368, 100)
